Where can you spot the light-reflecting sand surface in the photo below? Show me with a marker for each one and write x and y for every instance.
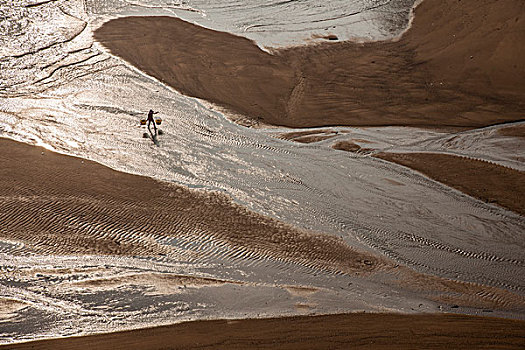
(274, 23)
(62, 90)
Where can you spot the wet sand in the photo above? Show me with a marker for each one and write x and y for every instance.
(459, 66)
(56, 204)
(429, 78)
(356, 331)
(308, 136)
(486, 181)
(513, 131)
(350, 146)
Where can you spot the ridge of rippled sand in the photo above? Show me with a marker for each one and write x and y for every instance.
(56, 204)
(356, 331)
(459, 65)
(61, 205)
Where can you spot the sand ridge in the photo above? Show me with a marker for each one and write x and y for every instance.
(56, 204)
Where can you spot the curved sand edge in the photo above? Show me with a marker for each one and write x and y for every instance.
(459, 65)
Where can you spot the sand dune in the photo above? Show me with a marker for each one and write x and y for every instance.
(460, 65)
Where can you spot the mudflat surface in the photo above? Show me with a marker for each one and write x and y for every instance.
(61, 205)
(486, 181)
(57, 204)
(460, 65)
(83, 244)
(356, 331)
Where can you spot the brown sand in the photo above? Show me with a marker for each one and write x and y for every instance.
(465, 294)
(350, 331)
(460, 65)
(57, 204)
(350, 146)
(312, 138)
(52, 203)
(308, 136)
(486, 181)
(515, 131)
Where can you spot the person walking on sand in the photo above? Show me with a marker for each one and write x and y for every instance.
(151, 120)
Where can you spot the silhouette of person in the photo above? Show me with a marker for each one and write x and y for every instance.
(151, 120)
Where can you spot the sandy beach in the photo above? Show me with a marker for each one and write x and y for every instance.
(458, 68)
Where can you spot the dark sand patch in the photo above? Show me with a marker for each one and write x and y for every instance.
(489, 182)
(308, 136)
(328, 36)
(515, 131)
(295, 134)
(346, 331)
(460, 65)
(313, 138)
(349, 146)
(451, 292)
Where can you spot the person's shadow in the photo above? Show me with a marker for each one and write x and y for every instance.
(154, 135)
